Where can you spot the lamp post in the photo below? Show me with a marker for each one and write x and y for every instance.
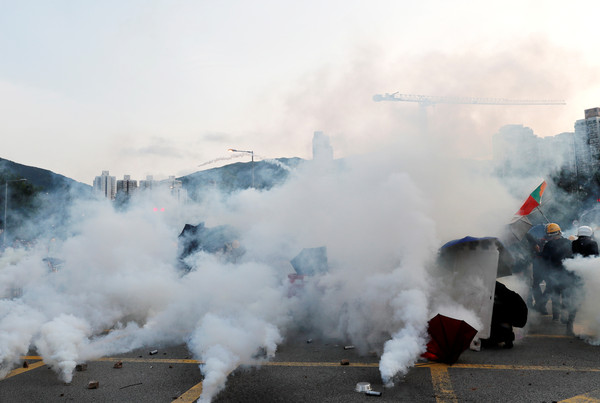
(6, 204)
(247, 152)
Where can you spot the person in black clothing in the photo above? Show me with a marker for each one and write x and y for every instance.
(585, 245)
(540, 298)
(509, 310)
(560, 282)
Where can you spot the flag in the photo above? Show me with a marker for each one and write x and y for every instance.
(534, 200)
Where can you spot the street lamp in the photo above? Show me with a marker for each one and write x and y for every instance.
(6, 204)
(247, 152)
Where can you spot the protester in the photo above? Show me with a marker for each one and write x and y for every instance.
(509, 310)
(585, 245)
(536, 243)
(561, 283)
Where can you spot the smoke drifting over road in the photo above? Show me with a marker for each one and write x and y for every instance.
(382, 218)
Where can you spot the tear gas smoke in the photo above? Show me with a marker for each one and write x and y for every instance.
(587, 320)
(381, 217)
(221, 159)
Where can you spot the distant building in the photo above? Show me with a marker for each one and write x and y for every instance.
(558, 152)
(175, 187)
(112, 189)
(126, 186)
(105, 185)
(322, 149)
(587, 141)
(518, 151)
(148, 183)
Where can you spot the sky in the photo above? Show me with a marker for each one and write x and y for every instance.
(164, 87)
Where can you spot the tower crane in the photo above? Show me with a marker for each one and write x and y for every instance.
(428, 100)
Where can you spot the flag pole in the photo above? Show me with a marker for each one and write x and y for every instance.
(542, 213)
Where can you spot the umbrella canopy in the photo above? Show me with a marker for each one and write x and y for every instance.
(537, 232)
(222, 240)
(519, 227)
(449, 337)
(195, 238)
(311, 261)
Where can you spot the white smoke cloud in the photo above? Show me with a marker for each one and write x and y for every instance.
(382, 218)
(23, 323)
(587, 320)
(61, 341)
(225, 343)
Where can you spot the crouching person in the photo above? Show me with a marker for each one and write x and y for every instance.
(510, 310)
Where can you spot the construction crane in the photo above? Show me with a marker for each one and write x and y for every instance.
(428, 100)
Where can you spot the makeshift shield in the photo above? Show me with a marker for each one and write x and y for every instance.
(475, 263)
(311, 261)
(449, 337)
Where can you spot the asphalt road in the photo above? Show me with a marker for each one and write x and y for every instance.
(543, 366)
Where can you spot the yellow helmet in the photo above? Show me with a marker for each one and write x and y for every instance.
(552, 229)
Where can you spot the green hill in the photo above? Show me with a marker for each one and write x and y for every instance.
(42, 198)
(42, 179)
(262, 175)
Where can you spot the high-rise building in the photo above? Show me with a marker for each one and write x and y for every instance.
(558, 152)
(322, 149)
(105, 185)
(148, 183)
(587, 141)
(175, 187)
(516, 149)
(126, 186)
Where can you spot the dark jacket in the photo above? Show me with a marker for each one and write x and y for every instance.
(509, 307)
(555, 251)
(585, 246)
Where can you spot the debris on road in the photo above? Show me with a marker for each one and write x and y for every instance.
(133, 384)
(93, 384)
(348, 347)
(363, 387)
(118, 364)
(153, 352)
(81, 367)
(372, 393)
(345, 362)
(25, 364)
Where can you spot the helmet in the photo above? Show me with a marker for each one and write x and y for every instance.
(585, 231)
(552, 229)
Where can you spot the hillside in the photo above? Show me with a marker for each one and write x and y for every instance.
(241, 175)
(42, 199)
(42, 179)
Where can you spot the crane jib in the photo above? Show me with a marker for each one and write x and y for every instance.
(432, 100)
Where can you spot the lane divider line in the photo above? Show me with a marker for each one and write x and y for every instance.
(526, 367)
(591, 397)
(18, 371)
(191, 395)
(442, 386)
(151, 360)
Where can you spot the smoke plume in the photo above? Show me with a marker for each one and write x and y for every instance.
(381, 216)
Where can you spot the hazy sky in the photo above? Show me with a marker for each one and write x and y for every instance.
(162, 87)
